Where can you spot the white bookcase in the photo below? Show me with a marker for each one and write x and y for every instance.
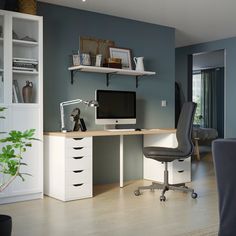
(21, 36)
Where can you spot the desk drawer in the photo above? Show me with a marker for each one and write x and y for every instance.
(78, 191)
(78, 142)
(78, 176)
(182, 164)
(181, 176)
(78, 152)
(78, 163)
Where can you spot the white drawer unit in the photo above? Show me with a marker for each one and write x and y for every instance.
(179, 170)
(68, 167)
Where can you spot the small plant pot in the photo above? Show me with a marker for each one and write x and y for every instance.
(5, 225)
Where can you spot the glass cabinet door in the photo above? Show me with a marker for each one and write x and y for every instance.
(1, 60)
(25, 60)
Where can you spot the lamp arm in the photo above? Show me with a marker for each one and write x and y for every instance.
(71, 102)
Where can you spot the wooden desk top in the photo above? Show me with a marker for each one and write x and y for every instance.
(93, 133)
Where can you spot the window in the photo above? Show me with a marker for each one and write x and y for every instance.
(197, 95)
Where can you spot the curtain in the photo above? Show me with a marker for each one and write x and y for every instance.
(213, 97)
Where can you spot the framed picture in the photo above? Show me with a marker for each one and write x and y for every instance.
(94, 47)
(124, 54)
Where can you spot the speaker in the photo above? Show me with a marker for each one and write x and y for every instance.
(82, 125)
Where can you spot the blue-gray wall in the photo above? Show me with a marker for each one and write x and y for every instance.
(62, 29)
(230, 75)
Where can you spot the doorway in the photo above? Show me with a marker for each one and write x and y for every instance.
(208, 90)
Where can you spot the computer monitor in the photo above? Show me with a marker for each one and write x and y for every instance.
(115, 107)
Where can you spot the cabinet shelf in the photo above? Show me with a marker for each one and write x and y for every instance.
(108, 72)
(25, 72)
(24, 43)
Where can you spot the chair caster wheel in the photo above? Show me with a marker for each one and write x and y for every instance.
(137, 193)
(194, 195)
(162, 198)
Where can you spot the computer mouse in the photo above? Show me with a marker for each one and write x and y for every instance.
(137, 129)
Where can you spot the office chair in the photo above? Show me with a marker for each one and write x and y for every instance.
(183, 150)
(224, 157)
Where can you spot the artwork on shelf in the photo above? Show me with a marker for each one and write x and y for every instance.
(124, 54)
(94, 46)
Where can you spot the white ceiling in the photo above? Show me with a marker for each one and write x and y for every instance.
(195, 21)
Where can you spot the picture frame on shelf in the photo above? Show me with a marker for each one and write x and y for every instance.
(76, 60)
(124, 54)
(94, 46)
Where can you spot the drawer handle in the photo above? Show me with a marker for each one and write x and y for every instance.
(180, 171)
(77, 158)
(78, 148)
(77, 185)
(180, 160)
(78, 171)
(78, 138)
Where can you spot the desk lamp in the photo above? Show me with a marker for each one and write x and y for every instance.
(91, 103)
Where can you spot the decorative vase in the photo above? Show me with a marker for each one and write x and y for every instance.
(27, 6)
(27, 92)
(5, 225)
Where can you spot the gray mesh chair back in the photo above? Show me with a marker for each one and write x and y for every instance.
(184, 128)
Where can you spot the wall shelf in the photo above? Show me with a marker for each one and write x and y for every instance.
(108, 72)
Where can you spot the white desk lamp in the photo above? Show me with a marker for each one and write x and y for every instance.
(91, 103)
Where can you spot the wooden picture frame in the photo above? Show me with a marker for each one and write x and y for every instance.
(94, 46)
(124, 54)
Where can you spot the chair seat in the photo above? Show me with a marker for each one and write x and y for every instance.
(164, 154)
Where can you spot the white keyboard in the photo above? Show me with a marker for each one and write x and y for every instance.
(121, 130)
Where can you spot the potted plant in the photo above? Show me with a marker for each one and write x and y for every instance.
(13, 145)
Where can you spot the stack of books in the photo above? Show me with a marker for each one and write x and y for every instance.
(25, 64)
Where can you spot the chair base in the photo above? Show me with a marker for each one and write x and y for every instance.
(166, 186)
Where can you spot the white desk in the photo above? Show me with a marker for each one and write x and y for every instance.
(55, 140)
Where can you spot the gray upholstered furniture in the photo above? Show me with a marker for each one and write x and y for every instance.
(165, 155)
(224, 156)
(203, 136)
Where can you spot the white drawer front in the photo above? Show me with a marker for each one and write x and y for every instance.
(181, 176)
(78, 142)
(78, 191)
(182, 164)
(78, 176)
(78, 152)
(78, 163)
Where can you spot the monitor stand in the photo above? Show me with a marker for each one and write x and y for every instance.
(110, 127)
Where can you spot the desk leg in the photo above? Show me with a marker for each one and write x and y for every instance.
(121, 161)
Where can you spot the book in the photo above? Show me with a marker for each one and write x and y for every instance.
(18, 93)
(14, 99)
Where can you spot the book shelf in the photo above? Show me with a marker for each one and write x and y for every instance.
(25, 43)
(109, 72)
(15, 52)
